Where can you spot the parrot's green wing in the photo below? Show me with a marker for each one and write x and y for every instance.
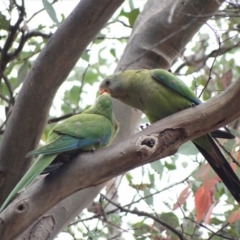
(65, 143)
(175, 84)
(88, 128)
(180, 87)
(77, 132)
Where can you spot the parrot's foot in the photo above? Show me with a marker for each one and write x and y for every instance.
(192, 105)
(144, 126)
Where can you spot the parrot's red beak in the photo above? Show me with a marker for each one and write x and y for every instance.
(102, 91)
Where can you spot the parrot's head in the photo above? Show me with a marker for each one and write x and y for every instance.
(115, 85)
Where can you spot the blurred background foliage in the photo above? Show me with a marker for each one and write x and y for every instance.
(208, 64)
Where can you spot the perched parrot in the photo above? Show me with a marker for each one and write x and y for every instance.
(94, 128)
(158, 93)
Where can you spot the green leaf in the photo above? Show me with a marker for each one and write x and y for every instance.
(206, 95)
(131, 16)
(170, 166)
(50, 11)
(115, 219)
(90, 77)
(216, 221)
(151, 179)
(72, 95)
(85, 56)
(140, 228)
(157, 166)
(113, 52)
(66, 108)
(129, 177)
(149, 199)
(169, 218)
(22, 72)
(101, 60)
(172, 220)
(4, 23)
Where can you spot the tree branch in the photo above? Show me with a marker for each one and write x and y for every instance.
(144, 214)
(24, 39)
(167, 135)
(13, 31)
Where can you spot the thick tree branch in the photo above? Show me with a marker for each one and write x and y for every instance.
(166, 136)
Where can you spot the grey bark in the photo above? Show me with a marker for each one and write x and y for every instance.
(161, 32)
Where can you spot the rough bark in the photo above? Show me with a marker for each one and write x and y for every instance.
(166, 135)
(161, 31)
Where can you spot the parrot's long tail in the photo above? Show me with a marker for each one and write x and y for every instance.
(30, 175)
(219, 163)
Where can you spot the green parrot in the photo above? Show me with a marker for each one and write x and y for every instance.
(94, 128)
(158, 93)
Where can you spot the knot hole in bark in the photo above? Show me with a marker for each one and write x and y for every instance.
(146, 145)
(150, 142)
(21, 207)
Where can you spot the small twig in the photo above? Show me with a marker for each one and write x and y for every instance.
(130, 204)
(214, 60)
(82, 81)
(4, 98)
(1, 127)
(210, 230)
(24, 39)
(228, 153)
(9, 87)
(112, 186)
(38, 34)
(199, 63)
(144, 214)
(216, 233)
(103, 213)
(36, 13)
(54, 120)
(11, 36)
(123, 23)
(111, 38)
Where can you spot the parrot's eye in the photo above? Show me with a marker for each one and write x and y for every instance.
(107, 82)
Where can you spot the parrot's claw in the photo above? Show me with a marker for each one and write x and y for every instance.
(144, 126)
(192, 104)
